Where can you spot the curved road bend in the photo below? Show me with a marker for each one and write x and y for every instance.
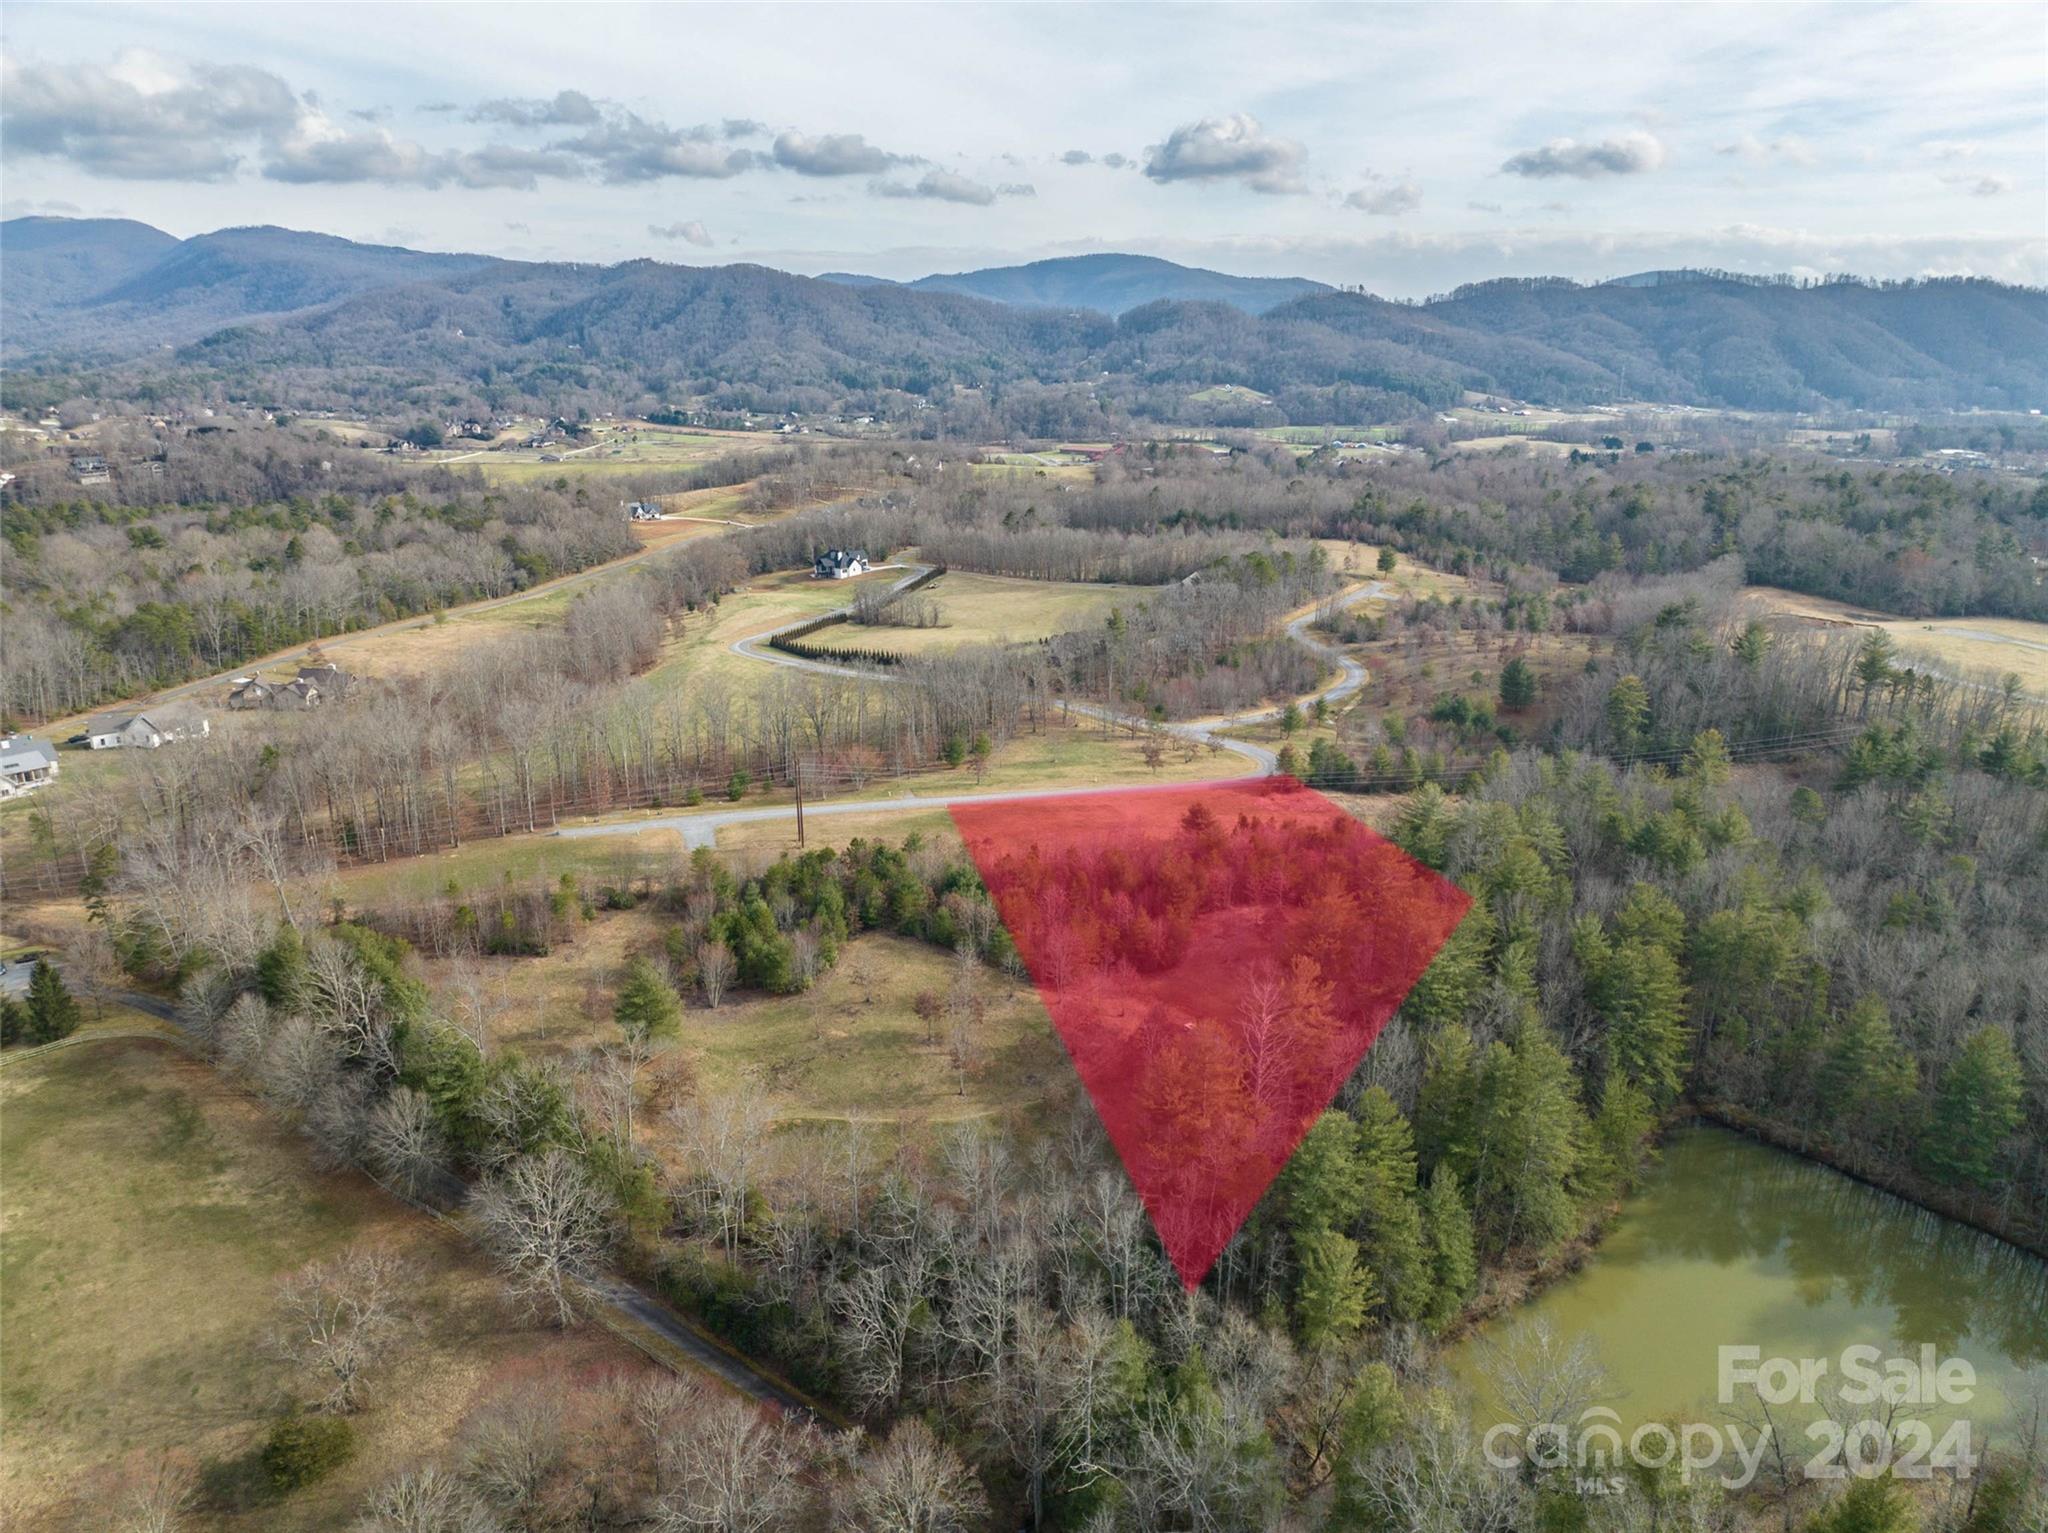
(625, 1303)
(701, 829)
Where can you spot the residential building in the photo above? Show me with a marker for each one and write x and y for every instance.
(145, 731)
(26, 763)
(840, 563)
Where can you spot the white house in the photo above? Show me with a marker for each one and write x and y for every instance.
(840, 564)
(144, 731)
(26, 764)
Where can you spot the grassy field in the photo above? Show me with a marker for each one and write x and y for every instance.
(1228, 394)
(630, 449)
(483, 864)
(771, 602)
(1982, 649)
(1512, 439)
(989, 609)
(852, 1046)
(1315, 436)
(149, 1212)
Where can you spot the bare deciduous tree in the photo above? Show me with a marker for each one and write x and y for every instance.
(914, 1483)
(732, 1468)
(428, 1500)
(337, 1319)
(725, 1135)
(511, 1449)
(715, 967)
(150, 1493)
(547, 1224)
(404, 1143)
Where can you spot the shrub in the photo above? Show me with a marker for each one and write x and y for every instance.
(302, 1450)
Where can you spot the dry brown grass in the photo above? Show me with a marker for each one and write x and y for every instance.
(1980, 649)
(852, 1046)
(149, 1211)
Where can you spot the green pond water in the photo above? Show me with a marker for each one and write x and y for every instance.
(1732, 1243)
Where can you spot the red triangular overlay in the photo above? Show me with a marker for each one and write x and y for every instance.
(1217, 959)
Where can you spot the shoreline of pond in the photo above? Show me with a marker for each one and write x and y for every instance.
(1507, 1289)
(1908, 1187)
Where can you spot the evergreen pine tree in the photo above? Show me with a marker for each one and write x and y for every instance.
(1453, 1263)
(52, 1011)
(1976, 1109)
(1389, 1226)
(1336, 1291)
(648, 1006)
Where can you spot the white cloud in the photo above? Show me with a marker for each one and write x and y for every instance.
(1981, 186)
(1789, 150)
(949, 186)
(691, 233)
(1631, 154)
(1235, 148)
(1386, 199)
(834, 154)
(144, 117)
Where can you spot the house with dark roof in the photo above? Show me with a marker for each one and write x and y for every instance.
(324, 682)
(840, 563)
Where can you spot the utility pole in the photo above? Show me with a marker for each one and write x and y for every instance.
(796, 772)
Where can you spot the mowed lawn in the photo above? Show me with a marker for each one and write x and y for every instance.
(149, 1210)
(991, 609)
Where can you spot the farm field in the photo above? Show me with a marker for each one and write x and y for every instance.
(1499, 443)
(990, 609)
(150, 1211)
(1316, 436)
(629, 449)
(1982, 649)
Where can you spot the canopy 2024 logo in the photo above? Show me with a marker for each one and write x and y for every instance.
(1217, 960)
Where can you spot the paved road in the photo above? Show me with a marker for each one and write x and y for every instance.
(701, 828)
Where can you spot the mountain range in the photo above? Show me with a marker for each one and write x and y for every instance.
(1110, 283)
(114, 306)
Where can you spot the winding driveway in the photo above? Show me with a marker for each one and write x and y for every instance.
(701, 828)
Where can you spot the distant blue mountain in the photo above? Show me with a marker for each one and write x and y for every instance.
(1108, 283)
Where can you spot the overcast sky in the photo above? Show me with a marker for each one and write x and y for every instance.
(1406, 148)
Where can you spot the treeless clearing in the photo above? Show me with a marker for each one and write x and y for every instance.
(1360, 561)
(990, 609)
(150, 1210)
(629, 449)
(1981, 649)
(1534, 444)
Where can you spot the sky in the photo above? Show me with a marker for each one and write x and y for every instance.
(1402, 148)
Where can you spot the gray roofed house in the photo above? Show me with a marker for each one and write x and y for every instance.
(145, 730)
(314, 685)
(26, 763)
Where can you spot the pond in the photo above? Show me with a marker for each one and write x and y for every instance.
(1730, 1242)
